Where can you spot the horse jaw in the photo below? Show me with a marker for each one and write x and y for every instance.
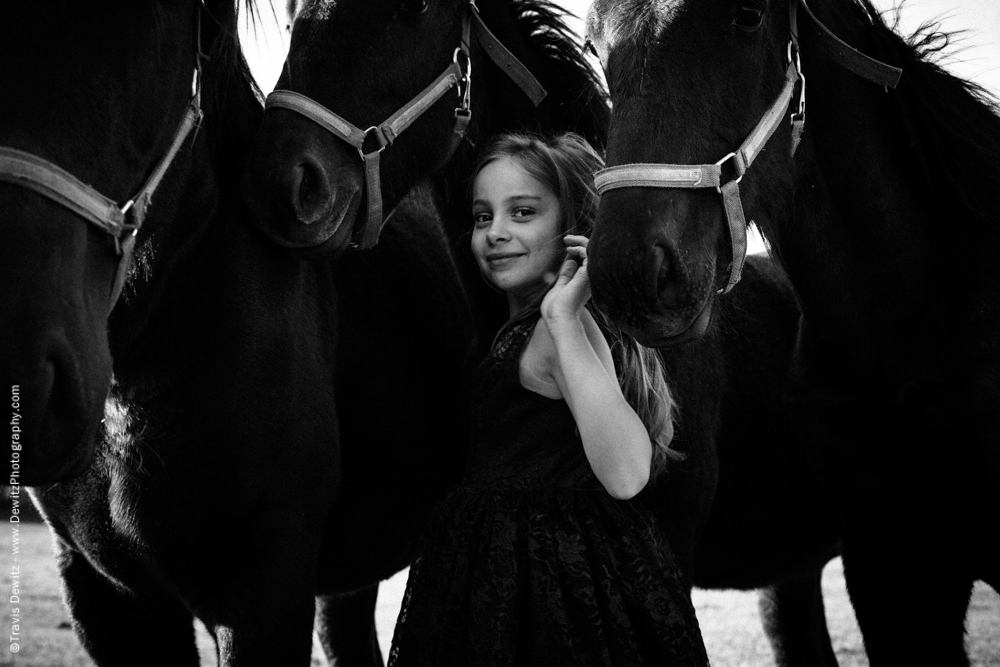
(653, 337)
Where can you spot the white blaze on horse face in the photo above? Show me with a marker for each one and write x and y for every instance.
(610, 22)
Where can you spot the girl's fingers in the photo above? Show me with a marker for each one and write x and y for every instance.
(576, 249)
(572, 284)
(567, 271)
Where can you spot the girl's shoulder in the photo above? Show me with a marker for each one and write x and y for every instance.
(538, 359)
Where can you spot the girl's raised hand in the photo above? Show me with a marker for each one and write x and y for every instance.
(571, 291)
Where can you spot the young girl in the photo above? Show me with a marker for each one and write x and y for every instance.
(539, 558)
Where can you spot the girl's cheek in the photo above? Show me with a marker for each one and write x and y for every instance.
(477, 244)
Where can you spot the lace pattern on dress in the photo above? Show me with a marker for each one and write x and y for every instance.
(514, 334)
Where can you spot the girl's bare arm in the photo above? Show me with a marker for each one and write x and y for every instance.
(614, 438)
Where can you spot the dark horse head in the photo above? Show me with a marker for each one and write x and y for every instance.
(882, 202)
(697, 83)
(690, 80)
(79, 163)
(370, 63)
(403, 79)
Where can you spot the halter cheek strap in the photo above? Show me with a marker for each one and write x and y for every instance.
(725, 175)
(458, 73)
(122, 222)
(60, 186)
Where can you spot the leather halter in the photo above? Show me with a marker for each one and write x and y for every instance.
(121, 222)
(458, 73)
(726, 174)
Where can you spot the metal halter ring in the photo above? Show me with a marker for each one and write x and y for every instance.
(378, 137)
(736, 170)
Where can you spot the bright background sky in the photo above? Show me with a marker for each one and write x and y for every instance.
(974, 54)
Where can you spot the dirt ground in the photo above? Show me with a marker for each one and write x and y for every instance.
(728, 619)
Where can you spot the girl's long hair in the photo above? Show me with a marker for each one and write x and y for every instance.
(566, 164)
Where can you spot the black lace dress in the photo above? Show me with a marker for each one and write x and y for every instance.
(530, 561)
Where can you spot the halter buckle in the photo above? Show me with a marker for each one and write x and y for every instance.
(464, 87)
(795, 57)
(793, 49)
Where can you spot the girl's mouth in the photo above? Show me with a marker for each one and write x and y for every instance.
(499, 259)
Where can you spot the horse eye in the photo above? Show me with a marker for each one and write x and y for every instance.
(415, 6)
(749, 17)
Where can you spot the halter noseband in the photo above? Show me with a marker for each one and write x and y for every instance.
(458, 73)
(735, 164)
(121, 222)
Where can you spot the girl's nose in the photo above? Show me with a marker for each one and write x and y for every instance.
(497, 232)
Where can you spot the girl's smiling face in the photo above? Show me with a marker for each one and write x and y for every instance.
(518, 231)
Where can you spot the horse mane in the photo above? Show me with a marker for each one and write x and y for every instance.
(575, 91)
(952, 124)
(230, 94)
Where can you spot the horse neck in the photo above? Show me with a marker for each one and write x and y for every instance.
(173, 289)
(857, 244)
(878, 287)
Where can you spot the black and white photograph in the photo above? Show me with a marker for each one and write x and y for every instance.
(500, 333)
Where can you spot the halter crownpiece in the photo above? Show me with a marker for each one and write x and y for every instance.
(686, 176)
(456, 74)
(122, 222)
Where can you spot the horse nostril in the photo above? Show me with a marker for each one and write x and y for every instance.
(311, 195)
(667, 280)
(661, 268)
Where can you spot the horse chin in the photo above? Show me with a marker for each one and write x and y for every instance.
(63, 444)
(65, 464)
(653, 334)
(322, 238)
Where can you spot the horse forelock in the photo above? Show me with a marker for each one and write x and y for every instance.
(611, 23)
(316, 10)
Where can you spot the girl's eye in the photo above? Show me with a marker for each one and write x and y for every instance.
(749, 17)
(414, 7)
(522, 212)
(481, 219)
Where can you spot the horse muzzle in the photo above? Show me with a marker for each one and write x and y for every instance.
(644, 275)
(302, 191)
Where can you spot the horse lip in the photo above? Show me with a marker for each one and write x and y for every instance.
(290, 242)
(285, 242)
(695, 329)
(339, 214)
